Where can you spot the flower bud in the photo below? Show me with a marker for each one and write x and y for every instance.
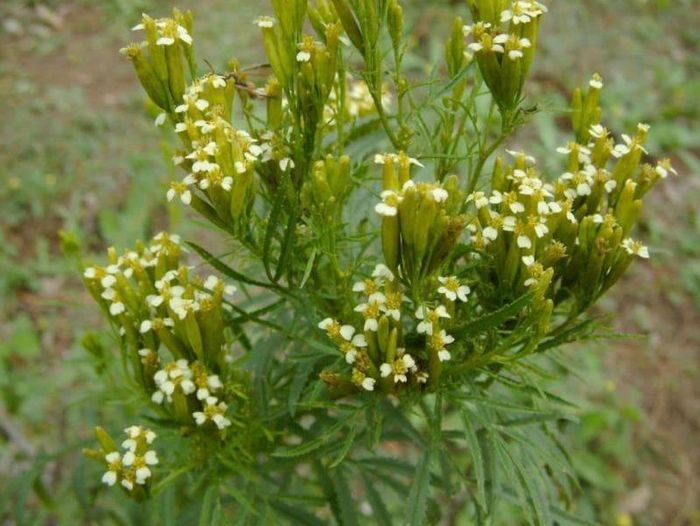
(395, 22)
(347, 18)
(146, 75)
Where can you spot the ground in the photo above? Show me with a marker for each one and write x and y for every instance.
(78, 154)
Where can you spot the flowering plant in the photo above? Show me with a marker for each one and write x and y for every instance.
(391, 304)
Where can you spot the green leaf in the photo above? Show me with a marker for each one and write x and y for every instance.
(223, 267)
(535, 481)
(302, 371)
(240, 498)
(514, 478)
(298, 515)
(379, 509)
(211, 497)
(314, 444)
(418, 497)
(487, 442)
(477, 458)
(167, 506)
(495, 318)
(501, 404)
(345, 448)
(308, 269)
(343, 495)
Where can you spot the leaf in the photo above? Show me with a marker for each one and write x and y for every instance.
(500, 404)
(535, 482)
(211, 496)
(477, 459)
(418, 497)
(514, 478)
(241, 499)
(298, 515)
(302, 371)
(167, 507)
(343, 495)
(495, 318)
(380, 512)
(314, 444)
(308, 269)
(487, 442)
(223, 267)
(345, 448)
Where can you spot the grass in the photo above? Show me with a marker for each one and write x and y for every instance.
(78, 155)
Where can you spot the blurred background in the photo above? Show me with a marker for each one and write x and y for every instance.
(78, 151)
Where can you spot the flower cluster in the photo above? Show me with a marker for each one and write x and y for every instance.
(161, 59)
(421, 222)
(503, 41)
(132, 466)
(152, 299)
(571, 234)
(380, 353)
(177, 380)
(218, 159)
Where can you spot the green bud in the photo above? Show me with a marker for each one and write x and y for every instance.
(383, 335)
(499, 181)
(577, 111)
(274, 104)
(627, 208)
(146, 75)
(106, 443)
(391, 242)
(278, 57)
(390, 355)
(395, 24)
(176, 71)
(193, 335)
(454, 48)
(390, 179)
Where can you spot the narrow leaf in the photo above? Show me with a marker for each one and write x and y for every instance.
(477, 458)
(223, 267)
(379, 510)
(418, 497)
(494, 319)
(348, 512)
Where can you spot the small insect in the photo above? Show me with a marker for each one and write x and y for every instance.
(241, 81)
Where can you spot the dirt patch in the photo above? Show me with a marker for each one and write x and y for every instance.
(66, 47)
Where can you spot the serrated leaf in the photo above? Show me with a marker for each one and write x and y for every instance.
(309, 267)
(420, 490)
(495, 318)
(302, 371)
(514, 478)
(379, 509)
(223, 267)
(487, 444)
(477, 459)
(536, 483)
(298, 515)
(314, 444)
(348, 514)
(241, 499)
(348, 441)
(500, 404)
(208, 503)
